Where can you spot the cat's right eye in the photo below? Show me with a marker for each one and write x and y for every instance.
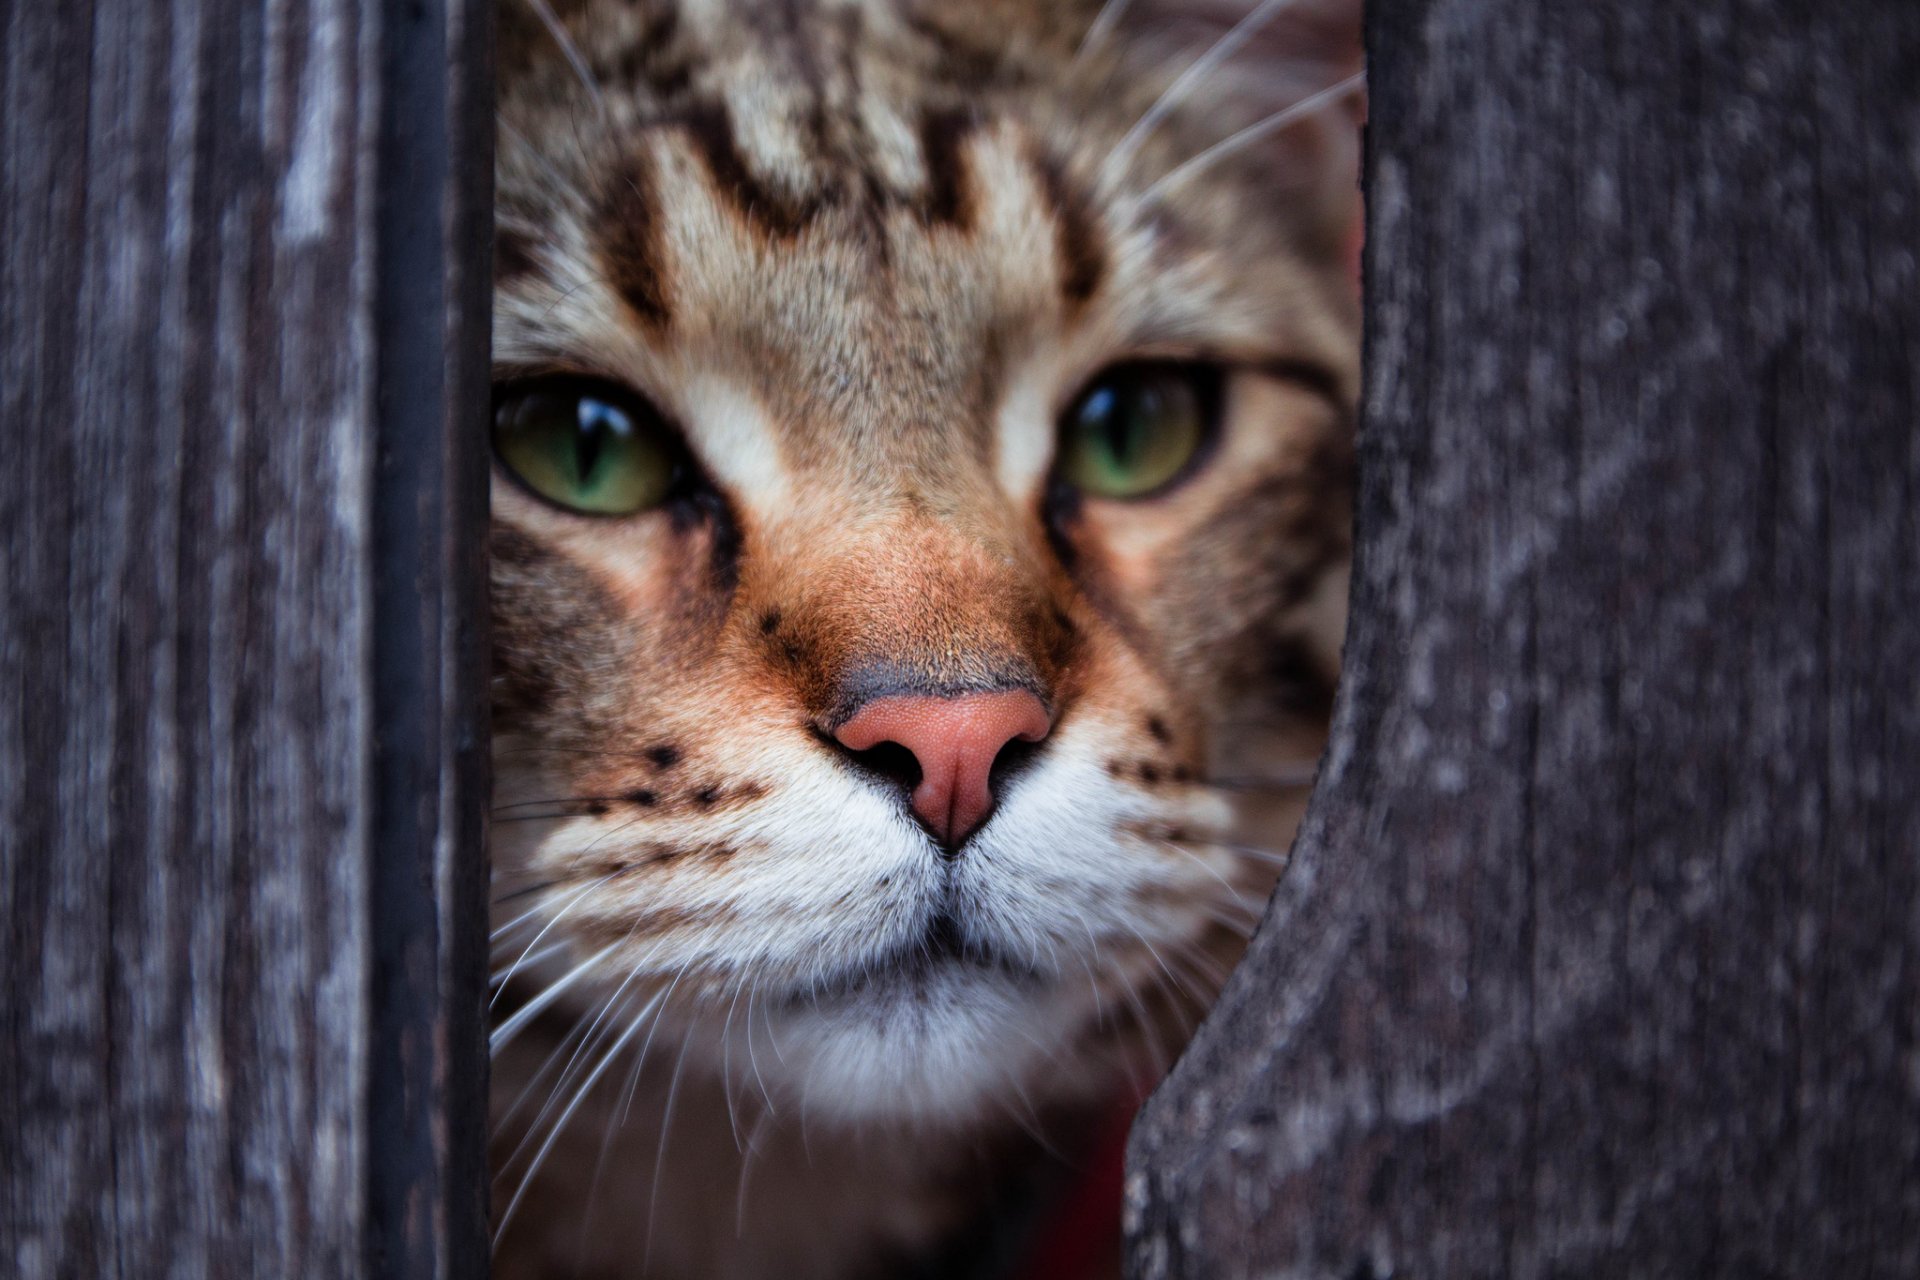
(1138, 427)
(587, 446)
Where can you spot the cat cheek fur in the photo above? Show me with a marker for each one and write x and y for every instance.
(861, 253)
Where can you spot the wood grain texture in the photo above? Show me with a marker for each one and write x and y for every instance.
(1600, 955)
(242, 351)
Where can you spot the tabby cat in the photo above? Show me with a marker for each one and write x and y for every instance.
(920, 526)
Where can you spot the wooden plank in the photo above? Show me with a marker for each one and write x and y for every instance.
(1601, 950)
(242, 335)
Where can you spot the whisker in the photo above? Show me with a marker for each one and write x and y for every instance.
(1120, 159)
(503, 1034)
(524, 890)
(773, 1038)
(1028, 1119)
(1233, 891)
(752, 1059)
(597, 1033)
(580, 1095)
(496, 978)
(502, 930)
(532, 748)
(1240, 927)
(1158, 1059)
(1302, 775)
(1272, 857)
(726, 1064)
(576, 1031)
(746, 1174)
(536, 817)
(528, 804)
(578, 894)
(660, 1157)
(569, 50)
(624, 1109)
(1178, 985)
(1196, 957)
(1103, 26)
(1254, 132)
(567, 296)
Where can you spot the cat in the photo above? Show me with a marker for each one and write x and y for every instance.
(922, 438)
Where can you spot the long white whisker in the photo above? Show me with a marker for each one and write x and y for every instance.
(1241, 925)
(746, 1173)
(533, 1008)
(1300, 775)
(1121, 158)
(580, 1095)
(617, 1115)
(589, 1044)
(1272, 857)
(1103, 26)
(498, 977)
(1233, 890)
(752, 1059)
(1158, 1059)
(773, 1038)
(515, 966)
(726, 1061)
(576, 1031)
(1179, 985)
(1254, 132)
(531, 912)
(569, 49)
(647, 1047)
(660, 1156)
(586, 1046)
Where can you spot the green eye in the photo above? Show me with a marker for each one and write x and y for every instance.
(587, 447)
(1137, 427)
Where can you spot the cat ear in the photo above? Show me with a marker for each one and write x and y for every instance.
(1279, 79)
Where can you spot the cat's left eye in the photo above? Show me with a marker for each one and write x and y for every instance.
(1138, 427)
(591, 448)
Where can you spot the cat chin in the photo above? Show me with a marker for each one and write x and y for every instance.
(945, 1049)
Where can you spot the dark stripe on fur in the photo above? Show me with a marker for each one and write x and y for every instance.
(631, 239)
(711, 131)
(950, 198)
(1083, 254)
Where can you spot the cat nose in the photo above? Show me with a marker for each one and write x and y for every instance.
(955, 742)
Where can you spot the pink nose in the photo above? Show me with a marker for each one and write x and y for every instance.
(955, 742)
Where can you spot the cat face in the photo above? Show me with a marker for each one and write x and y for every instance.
(920, 510)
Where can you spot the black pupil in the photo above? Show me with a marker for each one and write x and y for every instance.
(1127, 428)
(597, 422)
(1123, 416)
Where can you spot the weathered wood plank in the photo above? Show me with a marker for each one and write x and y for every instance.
(1601, 950)
(241, 342)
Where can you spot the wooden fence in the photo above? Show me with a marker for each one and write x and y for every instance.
(1601, 953)
(243, 364)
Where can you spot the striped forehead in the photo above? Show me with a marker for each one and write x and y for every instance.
(872, 292)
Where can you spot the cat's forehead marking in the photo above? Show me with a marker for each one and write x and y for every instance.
(842, 311)
(628, 227)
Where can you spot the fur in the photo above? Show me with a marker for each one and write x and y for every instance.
(862, 254)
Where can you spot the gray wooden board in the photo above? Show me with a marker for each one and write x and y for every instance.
(1600, 954)
(242, 351)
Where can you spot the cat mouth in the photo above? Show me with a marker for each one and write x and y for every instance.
(939, 953)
